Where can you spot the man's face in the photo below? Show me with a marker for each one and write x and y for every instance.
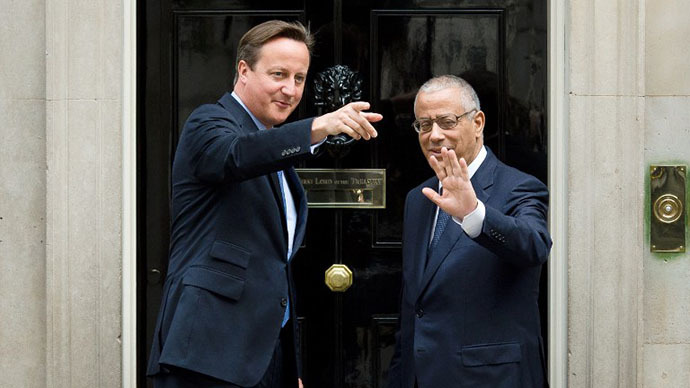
(465, 138)
(274, 87)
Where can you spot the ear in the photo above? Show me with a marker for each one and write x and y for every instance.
(242, 70)
(478, 123)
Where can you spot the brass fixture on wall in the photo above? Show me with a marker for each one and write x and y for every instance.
(667, 221)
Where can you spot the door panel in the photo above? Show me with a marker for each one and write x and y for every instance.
(188, 53)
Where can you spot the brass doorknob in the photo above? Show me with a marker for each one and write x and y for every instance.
(338, 278)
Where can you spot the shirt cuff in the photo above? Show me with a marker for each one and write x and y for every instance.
(473, 222)
(315, 146)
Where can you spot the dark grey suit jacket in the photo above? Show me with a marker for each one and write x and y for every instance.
(228, 280)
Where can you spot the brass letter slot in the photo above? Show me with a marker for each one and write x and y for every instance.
(344, 188)
(667, 221)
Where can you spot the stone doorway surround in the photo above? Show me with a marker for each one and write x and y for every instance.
(557, 181)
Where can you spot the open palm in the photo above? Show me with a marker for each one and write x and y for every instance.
(459, 198)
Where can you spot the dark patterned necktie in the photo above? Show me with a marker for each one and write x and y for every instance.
(441, 222)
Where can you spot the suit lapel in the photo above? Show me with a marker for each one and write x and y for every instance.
(278, 197)
(300, 198)
(449, 238)
(422, 214)
(483, 179)
(247, 124)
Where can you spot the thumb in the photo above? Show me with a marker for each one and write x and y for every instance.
(432, 195)
(359, 105)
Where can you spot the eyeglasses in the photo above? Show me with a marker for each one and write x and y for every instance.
(447, 121)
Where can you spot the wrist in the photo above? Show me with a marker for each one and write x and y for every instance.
(318, 132)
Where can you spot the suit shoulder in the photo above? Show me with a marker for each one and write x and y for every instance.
(209, 115)
(209, 111)
(507, 174)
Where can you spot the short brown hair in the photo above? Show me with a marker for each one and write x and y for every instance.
(252, 41)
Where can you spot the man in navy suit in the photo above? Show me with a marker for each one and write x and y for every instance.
(472, 257)
(238, 217)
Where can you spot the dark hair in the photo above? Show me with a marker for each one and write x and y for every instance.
(252, 41)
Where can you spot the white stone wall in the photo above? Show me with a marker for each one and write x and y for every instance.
(22, 194)
(605, 70)
(61, 193)
(667, 140)
(84, 192)
(629, 107)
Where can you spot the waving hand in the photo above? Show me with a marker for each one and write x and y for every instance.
(459, 198)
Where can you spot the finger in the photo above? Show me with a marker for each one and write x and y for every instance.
(365, 128)
(438, 169)
(352, 126)
(343, 127)
(464, 170)
(372, 117)
(447, 162)
(448, 158)
(458, 169)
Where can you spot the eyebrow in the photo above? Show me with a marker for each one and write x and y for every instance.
(284, 70)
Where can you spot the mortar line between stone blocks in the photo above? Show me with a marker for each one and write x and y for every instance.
(99, 245)
(66, 66)
(99, 268)
(591, 233)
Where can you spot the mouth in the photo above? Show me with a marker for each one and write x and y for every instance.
(282, 104)
(435, 152)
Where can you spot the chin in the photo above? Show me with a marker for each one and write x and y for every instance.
(280, 117)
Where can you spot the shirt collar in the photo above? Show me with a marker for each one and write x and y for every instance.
(254, 119)
(474, 166)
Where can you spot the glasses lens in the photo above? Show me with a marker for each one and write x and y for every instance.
(422, 125)
(446, 122)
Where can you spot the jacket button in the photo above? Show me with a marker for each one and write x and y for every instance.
(420, 313)
(283, 302)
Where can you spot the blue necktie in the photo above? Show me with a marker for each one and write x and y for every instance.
(286, 317)
(441, 222)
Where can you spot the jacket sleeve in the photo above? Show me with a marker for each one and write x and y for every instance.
(219, 149)
(518, 232)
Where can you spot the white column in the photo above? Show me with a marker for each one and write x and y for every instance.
(22, 194)
(606, 173)
(84, 192)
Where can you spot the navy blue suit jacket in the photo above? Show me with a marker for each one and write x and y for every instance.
(228, 279)
(469, 317)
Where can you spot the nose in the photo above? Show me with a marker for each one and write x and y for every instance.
(289, 88)
(436, 133)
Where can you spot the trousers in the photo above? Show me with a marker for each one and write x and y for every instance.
(281, 372)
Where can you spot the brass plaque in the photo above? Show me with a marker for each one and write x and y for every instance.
(667, 219)
(344, 188)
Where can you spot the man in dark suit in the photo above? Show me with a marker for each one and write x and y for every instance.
(238, 217)
(469, 314)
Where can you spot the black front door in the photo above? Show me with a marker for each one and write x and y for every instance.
(187, 58)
